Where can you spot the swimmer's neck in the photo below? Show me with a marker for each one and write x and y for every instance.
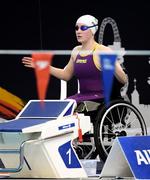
(89, 45)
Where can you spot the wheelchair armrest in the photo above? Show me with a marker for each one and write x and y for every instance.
(87, 106)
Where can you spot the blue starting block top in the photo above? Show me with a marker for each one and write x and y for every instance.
(20, 124)
(47, 109)
(36, 113)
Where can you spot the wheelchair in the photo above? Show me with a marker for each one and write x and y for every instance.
(119, 118)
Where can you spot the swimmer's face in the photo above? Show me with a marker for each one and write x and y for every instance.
(83, 32)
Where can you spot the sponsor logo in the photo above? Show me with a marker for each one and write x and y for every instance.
(66, 126)
(42, 64)
(81, 61)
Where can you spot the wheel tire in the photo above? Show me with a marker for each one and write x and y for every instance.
(100, 122)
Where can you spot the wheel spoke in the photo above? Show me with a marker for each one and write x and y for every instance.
(118, 114)
(122, 114)
(111, 116)
(130, 123)
(109, 147)
(109, 119)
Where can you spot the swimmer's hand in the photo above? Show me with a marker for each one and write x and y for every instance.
(27, 61)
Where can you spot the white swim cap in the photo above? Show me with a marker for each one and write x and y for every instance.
(89, 21)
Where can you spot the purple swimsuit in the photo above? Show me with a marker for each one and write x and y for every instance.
(90, 79)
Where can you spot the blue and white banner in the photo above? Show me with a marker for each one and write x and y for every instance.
(137, 152)
(129, 157)
(107, 62)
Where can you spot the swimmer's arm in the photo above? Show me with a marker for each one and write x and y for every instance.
(119, 72)
(66, 73)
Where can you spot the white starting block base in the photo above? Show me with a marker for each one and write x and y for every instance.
(38, 143)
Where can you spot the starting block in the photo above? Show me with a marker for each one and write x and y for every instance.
(38, 142)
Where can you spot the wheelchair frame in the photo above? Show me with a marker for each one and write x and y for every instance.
(120, 118)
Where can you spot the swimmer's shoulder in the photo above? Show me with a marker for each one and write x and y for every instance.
(102, 47)
(99, 48)
(75, 51)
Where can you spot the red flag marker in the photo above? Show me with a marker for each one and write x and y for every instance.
(42, 62)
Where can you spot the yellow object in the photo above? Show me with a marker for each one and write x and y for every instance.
(11, 99)
(10, 105)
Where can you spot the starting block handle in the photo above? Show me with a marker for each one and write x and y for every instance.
(14, 151)
(21, 153)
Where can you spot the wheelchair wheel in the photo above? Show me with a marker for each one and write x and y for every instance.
(120, 118)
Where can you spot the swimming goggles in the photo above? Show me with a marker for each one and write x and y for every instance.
(84, 27)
